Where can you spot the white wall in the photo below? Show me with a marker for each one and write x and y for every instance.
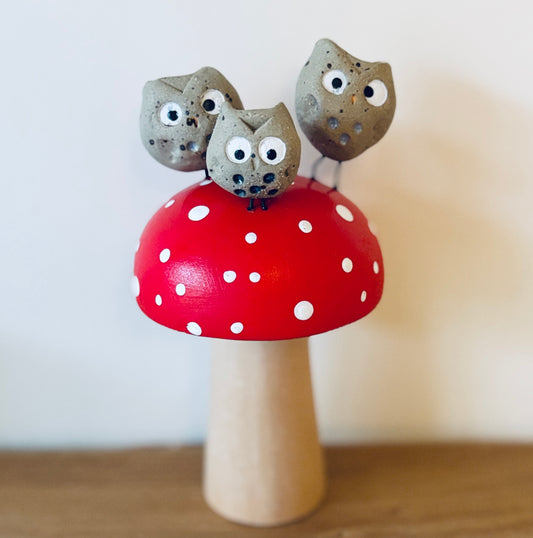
(449, 351)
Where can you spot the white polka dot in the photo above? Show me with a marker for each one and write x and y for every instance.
(363, 296)
(372, 227)
(198, 213)
(347, 265)
(169, 203)
(305, 226)
(344, 212)
(164, 255)
(237, 327)
(255, 277)
(158, 300)
(194, 328)
(303, 310)
(135, 286)
(137, 246)
(250, 238)
(206, 182)
(376, 267)
(230, 276)
(180, 289)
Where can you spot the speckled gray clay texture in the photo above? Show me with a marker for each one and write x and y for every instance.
(254, 153)
(178, 115)
(344, 105)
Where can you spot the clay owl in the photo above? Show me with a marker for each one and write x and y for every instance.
(178, 115)
(254, 153)
(344, 105)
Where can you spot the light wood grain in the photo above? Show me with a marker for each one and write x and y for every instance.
(263, 461)
(385, 491)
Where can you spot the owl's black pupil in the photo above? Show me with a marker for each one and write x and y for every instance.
(172, 115)
(239, 154)
(271, 154)
(209, 105)
(336, 83)
(369, 92)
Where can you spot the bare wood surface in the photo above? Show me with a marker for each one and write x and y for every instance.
(384, 491)
(263, 463)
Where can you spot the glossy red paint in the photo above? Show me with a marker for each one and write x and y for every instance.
(207, 266)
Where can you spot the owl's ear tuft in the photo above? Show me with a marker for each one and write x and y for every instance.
(176, 83)
(326, 46)
(386, 67)
(280, 107)
(281, 111)
(205, 77)
(225, 108)
(208, 72)
(325, 42)
(226, 111)
(160, 87)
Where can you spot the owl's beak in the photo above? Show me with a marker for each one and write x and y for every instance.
(354, 98)
(254, 166)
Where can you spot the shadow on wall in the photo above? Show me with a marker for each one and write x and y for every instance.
(449, 189)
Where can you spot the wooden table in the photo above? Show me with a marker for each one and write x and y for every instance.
(374, 492)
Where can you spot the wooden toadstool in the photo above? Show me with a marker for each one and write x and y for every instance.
(260, 283)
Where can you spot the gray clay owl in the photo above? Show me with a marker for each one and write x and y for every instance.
(254, 153)
(178, 115)
(344, 105)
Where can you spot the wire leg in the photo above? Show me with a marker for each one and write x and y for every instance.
(337, 177)
(315, 166)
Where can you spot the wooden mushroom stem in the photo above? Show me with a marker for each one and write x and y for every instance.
(263, 463)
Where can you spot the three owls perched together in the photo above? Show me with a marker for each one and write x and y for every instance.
(193, 122)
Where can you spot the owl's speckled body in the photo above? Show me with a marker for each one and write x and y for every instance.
(178, 115)
(344, 105)
(254, 153)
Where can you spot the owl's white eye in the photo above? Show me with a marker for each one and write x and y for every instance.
(170, 113)
(272, 150)
(334, 81)
(376, 92)
(238, 149)
(212, 101)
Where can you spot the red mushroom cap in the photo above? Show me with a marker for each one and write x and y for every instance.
(207, 266)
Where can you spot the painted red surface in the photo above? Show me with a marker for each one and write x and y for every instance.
(207, 266)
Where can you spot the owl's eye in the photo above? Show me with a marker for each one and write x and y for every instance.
(334, 81)
(170, 113)
(376, 92)
(212, 101)
(238, 149)
(272, 150)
